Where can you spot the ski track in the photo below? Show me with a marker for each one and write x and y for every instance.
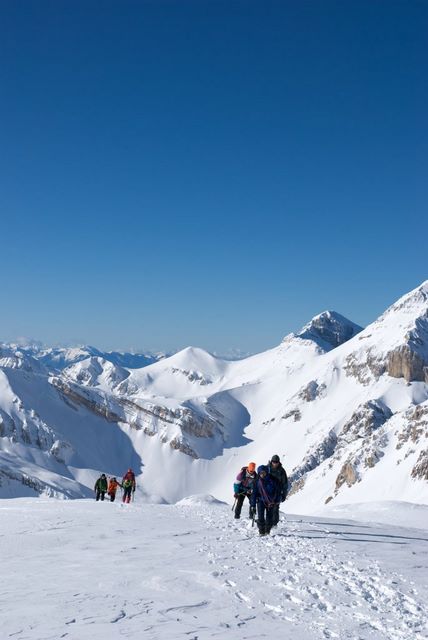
(193, 572)
(273, 572)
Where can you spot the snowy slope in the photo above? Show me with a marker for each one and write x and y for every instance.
(98, 571)
(345, 408)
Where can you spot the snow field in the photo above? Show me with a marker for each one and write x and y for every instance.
(81, 569)
(308, 574)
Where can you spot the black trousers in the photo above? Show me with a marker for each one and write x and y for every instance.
(112, 496)
(100, 495)
(239, 502)
(264, 517)
(275, 515)
(127, 494)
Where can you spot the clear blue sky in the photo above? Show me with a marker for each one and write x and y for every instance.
(205, 172)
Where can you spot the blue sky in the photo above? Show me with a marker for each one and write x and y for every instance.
(210, 173)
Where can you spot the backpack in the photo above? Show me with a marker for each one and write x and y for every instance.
(237, 487)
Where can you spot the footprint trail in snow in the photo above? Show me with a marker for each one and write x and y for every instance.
(82, 570)
(301, 575)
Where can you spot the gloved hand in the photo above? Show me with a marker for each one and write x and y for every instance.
(235, 495)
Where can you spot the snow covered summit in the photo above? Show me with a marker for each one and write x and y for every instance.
(329, 330)
(345, 408)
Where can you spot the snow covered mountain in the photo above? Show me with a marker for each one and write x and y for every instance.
(345, 408)
(57, 358)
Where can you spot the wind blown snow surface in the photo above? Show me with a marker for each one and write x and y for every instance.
(83, 570)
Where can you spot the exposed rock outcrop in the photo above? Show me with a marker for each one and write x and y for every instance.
(193, 376)
(295, 485)
(365, 367)
(312, 391)
(347, 474)
(151, 418)
(80, 396)
(293, 413)
(415, 427)
(405, 363)
(316, 456)
(420, 470)
(367, 418)
(180, 444)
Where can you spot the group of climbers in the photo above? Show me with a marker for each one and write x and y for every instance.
(102, 486)
(265, 490)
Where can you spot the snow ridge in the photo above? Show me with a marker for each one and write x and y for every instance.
(345, 408)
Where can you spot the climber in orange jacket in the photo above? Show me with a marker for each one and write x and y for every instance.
(113, 484)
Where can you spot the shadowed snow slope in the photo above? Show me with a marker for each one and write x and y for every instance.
(345, 408)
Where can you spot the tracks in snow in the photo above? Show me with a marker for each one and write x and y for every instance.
(321, 582)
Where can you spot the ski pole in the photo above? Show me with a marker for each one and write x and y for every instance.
(233, 507)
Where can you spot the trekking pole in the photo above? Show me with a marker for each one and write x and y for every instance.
(254, 516)
(233, 507)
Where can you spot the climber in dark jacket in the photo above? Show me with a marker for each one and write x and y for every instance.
(266, 494)
(100, 487)
(277, 470)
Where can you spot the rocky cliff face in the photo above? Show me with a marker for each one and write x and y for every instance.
(405, 363)
(329, 330)
(409, 360)
(172, 425)
(95, 402)
(356, 445)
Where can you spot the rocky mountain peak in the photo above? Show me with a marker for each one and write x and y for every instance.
(328, 330)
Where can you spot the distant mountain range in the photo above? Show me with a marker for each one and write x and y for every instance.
(57, 358)
(346, 408)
